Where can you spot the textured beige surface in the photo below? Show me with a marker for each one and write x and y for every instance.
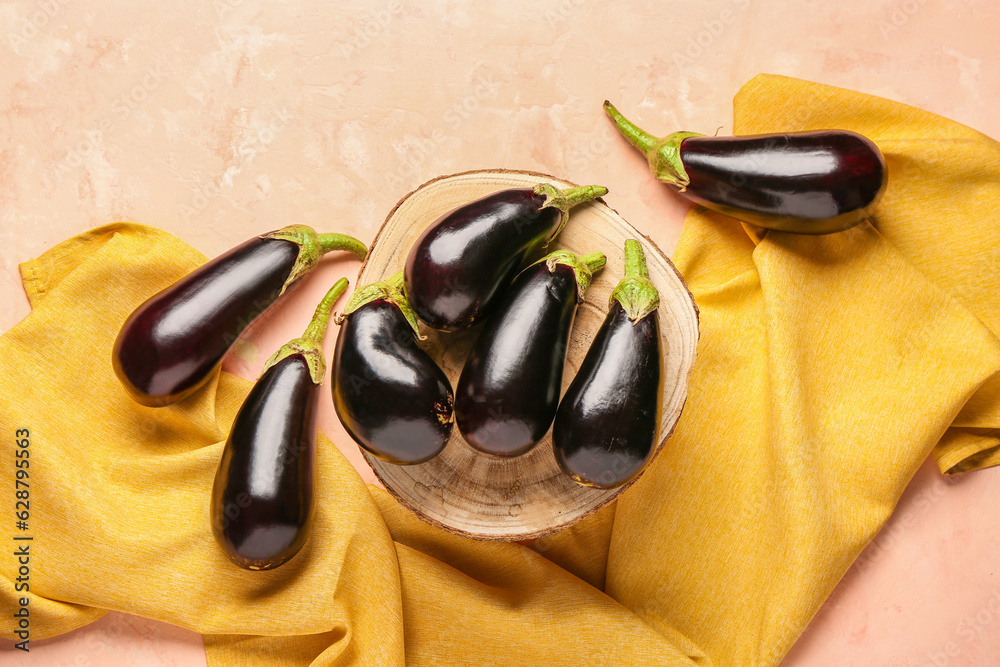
(217, 120)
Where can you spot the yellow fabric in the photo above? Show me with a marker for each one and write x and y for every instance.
(829, 368)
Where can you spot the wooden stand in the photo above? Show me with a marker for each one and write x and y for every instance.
(479, 495)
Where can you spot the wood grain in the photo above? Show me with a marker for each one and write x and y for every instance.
(479, 495)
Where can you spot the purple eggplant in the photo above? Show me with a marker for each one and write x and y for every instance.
(460, 266)
(607, 425)
(815, 182)
(508, 392)
(262, 498)
(175, 341)
(391, 397)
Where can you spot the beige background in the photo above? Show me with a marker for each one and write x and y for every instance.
(219, 120)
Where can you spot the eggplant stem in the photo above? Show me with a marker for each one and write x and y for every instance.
(635, 260)
(595, 261)
(582, 194)
(330, 242)
(564, 200)
(636, 292)
(310, 345)
(663, 155)
(316, 331)
(645, 142)
(584, 267)
(312, 247)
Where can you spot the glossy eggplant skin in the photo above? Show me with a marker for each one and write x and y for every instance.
(607, 424)
(803, 182)
(508, 392)
(262, 499)
(390, 396)
(171, 344)
(459, 266)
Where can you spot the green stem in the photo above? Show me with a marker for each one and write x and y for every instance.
(645, 142)
(595, 261)
(635, 260)
(564, 200)
(316, 330)
(663, 154)
(582, 194)
(636, 292)
(312, 247)
(584, 267)
(329, 242)
(310, 345)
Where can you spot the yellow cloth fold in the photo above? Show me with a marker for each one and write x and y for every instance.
(829, 368)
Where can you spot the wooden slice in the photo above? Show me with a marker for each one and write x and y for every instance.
(479, 495)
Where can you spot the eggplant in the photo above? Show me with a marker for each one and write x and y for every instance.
(608, 422)
(173, 343)
(262, 498)
(391, 397)
(508, 391)
(463, 263)
(816, 182)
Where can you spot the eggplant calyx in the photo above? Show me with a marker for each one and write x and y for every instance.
(663, 154)
(636, 292)
(310, 345)
(584, 267)
(310, 352)
(564, 200)
(391, 290)
(312, 247)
